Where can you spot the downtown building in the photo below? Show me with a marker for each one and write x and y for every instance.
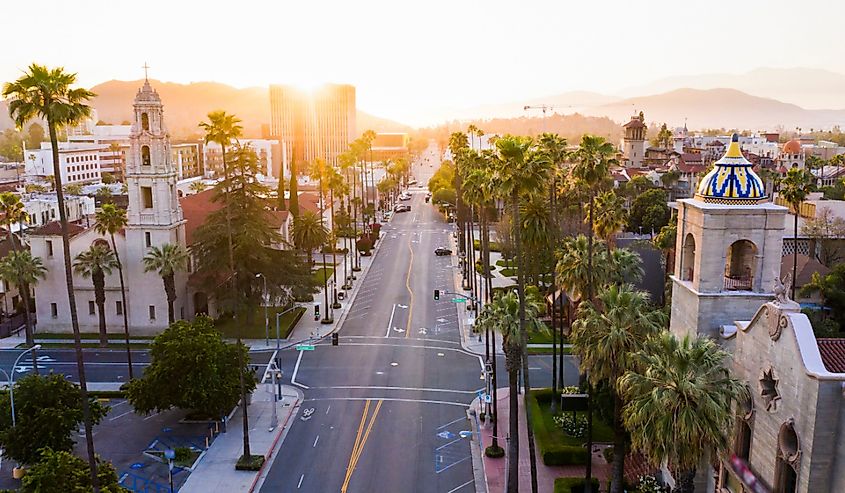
(315, 124)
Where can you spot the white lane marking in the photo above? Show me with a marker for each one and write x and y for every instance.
(300, 481)
(453, 490)
(421, 401)
(315, 441)
(449, 443)
(454, 464)
(296, 370)
(410, 389)
(443, 341)
(390, 322)
(328, 409)
(462, 418)
(120, 415)
(151, 416)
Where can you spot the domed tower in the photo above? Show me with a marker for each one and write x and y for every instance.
(154, 214)
(728, 248)
(633, 144)
(791, 156)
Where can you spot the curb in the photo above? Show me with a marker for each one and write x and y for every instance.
(269, 456)
(477, 451)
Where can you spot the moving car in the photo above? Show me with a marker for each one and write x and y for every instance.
(404, 196)
(402, 208)
(442, 251)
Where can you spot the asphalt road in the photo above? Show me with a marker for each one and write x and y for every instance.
(389, 403)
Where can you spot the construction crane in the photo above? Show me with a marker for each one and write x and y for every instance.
(544, 108)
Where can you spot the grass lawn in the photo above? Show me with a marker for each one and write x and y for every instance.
(90, 335)
(547, 350)
(601, 431)
(509, 272)
(111, 345)
(537, 337)
(256, 330)
(322, 274)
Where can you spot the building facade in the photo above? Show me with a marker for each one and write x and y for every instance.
(319, 124)
(78, 163)
(634, 142)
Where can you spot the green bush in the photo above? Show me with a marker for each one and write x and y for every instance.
(553, 451)
(251, 463)
(573, 485)
(494, 247)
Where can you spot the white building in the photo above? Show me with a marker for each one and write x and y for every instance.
(43, 208)
(269, 157)
(155, 218)
(78, 162)
(114, 138)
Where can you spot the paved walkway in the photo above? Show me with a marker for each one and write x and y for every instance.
(494, 469)
(216, 470)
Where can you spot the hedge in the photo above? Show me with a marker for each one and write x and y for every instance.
(573, 485)
(494, 246)
(553, 452)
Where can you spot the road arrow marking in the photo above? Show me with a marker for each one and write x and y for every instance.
(397, 329)
(402, 306)
(423, 331)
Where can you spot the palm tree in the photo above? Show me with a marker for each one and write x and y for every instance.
(47, 94)
(96, 263)
(309, 233)
(14, 211)
(110, 220)
(223, 128)
(605, 339)
(610, 216)
(166, 261)
(23, 270)
(679, 397)
(522, 171)
(198, 186)
(794, 188)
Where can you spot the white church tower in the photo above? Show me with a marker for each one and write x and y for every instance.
(728, 249)
(154, 213)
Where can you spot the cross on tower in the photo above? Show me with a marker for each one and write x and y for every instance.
(146, 67)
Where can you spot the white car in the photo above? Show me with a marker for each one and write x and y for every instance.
(404, 197)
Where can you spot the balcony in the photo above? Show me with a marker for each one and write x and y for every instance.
(738, 283)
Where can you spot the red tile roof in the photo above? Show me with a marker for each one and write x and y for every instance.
(833, 354)
(195, 209)
(55, 229)
(634, 123)
(277, 218)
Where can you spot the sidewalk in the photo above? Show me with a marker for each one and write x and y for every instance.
(216, 469)
(494, 469)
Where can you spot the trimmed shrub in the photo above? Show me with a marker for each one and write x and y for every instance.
(252, 463)
(573, 485)
(553, 452)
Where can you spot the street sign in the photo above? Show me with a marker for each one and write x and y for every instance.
(304, 347)
(459, 300)
(488, 398)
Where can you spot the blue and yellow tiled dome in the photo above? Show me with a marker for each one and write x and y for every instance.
(732, 181)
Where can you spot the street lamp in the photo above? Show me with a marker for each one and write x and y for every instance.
(11, 379)
(266, 318)
(278, 332)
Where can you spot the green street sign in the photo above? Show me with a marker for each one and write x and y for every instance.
(304, 347)
(459, 300)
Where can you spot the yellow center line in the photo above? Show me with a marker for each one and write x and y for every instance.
(411, 291)
(359, 445)
(355, 446)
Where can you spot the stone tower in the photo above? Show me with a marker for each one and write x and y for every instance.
(633, 144)
(154, 214)
(728, 248)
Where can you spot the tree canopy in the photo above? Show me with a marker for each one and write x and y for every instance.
(191, 367)
(650, 211)
(59, 471)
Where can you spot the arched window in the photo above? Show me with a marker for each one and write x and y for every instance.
(145, 155)
(145, 122)
(688, 258)
(788, 454)
(739, 268)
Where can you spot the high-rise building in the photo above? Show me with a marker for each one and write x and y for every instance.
(316, 124)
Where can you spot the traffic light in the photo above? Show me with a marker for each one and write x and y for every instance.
(335, 338)
(436, 294)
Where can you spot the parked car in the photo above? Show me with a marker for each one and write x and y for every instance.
(404, 196)
(442, 251)
(402, 208)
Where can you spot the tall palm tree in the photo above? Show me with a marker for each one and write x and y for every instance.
(679, 397)
(610, 216)
(223, 128)
(48, 94)
(110, 220)
(606, 336)
(96, 263)
(522, 171)
(794, 188)
(14, 211)
(23, 270)
(336, 186)
(309, 233)
(167, 260)
(592, 164)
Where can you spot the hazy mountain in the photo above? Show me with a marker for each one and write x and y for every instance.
(806, 87)
(564, 103)
(719, 108)
(186, 105)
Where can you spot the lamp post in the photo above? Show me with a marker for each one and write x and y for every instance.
(11, 379)
(278, 332)
(266, 318)
(274, 420)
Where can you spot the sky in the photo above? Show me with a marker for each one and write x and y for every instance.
(415, 61)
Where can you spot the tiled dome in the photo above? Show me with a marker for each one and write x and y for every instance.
(732, 181)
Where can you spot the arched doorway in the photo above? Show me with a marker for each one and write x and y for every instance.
(740, 266)
(789, 451)
(688, 258)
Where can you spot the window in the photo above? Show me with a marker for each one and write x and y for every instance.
(145, 155)
(148, 240)
(118, 308)
(152, 312)
(688, 258)
(49, 248)
(54, 310)
(147, 197)
(92, 308)
(740, 266)
(145, 122)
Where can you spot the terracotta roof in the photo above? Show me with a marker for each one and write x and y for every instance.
(309, 202)
(634, 123)
(195, 208)
(277, 218)
(6, 246)
(806, 267)
(55, 229)
(833, 354)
